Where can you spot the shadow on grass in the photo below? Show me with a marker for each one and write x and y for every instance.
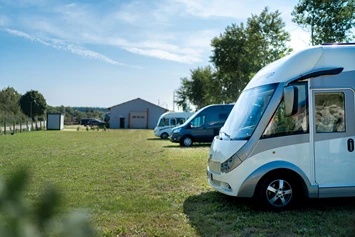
(197, 145)
(216, 214)
(156, 139)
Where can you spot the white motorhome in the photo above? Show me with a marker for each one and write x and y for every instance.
(291, 133)
(168, 121)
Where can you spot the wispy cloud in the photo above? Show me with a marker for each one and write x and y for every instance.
(75, 49)
(178, 30)
(161, 54)
(3, 20)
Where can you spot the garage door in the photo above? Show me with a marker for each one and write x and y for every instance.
(138, 119)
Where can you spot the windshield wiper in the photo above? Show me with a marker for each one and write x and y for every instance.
(227, 135)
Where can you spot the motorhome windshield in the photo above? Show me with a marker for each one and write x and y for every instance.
(163, 122)
(247, 112)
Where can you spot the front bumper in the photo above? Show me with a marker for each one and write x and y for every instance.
(175, 137)
(220, 183)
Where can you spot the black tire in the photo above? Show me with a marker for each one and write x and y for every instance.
(164, 136)
(279, 192)
(186, 141)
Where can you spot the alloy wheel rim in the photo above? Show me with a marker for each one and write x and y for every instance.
(279, 193)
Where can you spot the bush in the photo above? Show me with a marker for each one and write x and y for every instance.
(22, 220)
(78, 128)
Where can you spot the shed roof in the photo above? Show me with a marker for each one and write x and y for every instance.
(130, 101)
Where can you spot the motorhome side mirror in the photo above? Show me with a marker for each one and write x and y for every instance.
(291, 100)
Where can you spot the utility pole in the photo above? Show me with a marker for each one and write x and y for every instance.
(174, 100)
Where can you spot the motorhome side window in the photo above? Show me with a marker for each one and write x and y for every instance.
(180, 120)
(280, 125)
(172, 122)
(198, 121)
(329, 112)
(164, 122)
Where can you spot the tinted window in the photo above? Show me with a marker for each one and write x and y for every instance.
(172, 122)
(329, 112)
(223, 116)
(198, 121)
(180, 121)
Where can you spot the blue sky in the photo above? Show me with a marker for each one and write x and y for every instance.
(99, 53)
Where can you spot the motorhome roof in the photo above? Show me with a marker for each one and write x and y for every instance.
(305, 61)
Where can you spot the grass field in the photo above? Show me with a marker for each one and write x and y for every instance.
(137, 185)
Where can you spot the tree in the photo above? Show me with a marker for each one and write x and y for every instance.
(33, 104)
(327, 20)
(241, 51)
(238, 53)
(230, 58)
(182, 94)
(267, 38)
(200, 90)
(9, 105)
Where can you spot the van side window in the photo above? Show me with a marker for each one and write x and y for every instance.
(198, 121)
(329, 112)
(295, 124)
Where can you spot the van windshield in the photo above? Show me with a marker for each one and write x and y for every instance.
(247, 112)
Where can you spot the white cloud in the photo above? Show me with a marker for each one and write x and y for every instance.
(165, 55)
(159, 29)
(60, 45)
(3, 20)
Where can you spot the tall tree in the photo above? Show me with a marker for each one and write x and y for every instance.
(267, 38)
(33, 104)
(328, 20)
(9, 105)
(200, 90)
(230, 57)
(241, 50)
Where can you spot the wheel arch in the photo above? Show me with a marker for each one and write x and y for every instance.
(255, 179)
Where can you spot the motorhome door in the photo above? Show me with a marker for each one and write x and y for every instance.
(333, 141)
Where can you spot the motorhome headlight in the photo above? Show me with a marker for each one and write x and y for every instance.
(230, 164)
(176, 130)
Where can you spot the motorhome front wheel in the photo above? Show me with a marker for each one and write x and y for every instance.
(164, 136)
(278, 193)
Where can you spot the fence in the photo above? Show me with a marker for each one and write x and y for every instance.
(7, 128)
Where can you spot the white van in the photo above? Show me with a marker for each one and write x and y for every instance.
(291, 133)
(168, 121)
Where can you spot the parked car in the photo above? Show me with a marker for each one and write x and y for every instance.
(203, 126)
(85, 121)
(96, 122)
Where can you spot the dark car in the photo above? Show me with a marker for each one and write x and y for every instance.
(96, 122)
(85, 121)
(203, 126)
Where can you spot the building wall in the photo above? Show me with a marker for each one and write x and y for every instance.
(137, 106)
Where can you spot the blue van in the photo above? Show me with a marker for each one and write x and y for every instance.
(203, 126)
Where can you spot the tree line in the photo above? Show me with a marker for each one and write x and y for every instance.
(17, 108)
(242, 50)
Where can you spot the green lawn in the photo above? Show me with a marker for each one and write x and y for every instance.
(137, 185)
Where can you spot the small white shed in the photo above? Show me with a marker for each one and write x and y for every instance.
(55, 121)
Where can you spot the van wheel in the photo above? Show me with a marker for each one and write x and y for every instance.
(278, 192)
(186, 141)
(164, 136)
